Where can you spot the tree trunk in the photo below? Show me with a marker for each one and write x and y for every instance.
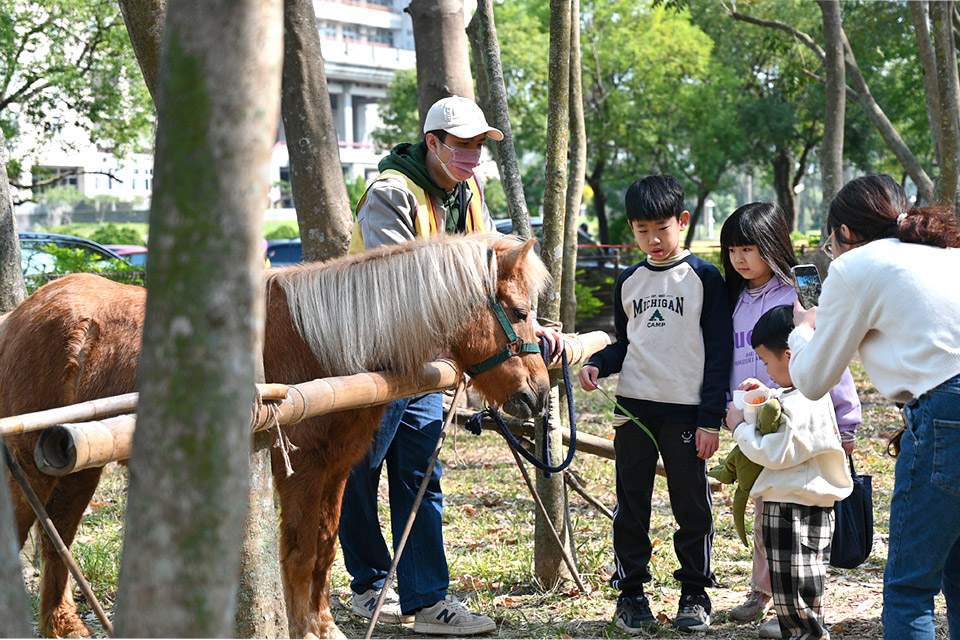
(12, 288)
(783, 185)
(548, 560)
(14, 606)
(696, 215)
(595, 180)
(261, 611)
(831, 148)
(260, 594)
(440, 40)
(316, 176)
(920, 11)
(483, 36)
(578, 167)
(144, 20)
(217, 113)
(948, 86)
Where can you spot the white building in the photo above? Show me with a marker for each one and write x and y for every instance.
(364, 43)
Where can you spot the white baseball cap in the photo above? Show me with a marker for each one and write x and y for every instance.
(459, 117)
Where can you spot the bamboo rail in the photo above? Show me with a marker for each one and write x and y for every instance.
(69, 448)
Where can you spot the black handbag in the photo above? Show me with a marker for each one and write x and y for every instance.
(853, 523)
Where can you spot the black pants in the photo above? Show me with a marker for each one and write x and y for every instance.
(690, 501)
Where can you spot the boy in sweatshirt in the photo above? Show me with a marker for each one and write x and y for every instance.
(805, 473)
(673, 352)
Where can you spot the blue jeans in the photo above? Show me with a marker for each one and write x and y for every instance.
(406, 440)
(924, 555)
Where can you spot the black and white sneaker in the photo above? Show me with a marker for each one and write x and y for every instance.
(633, 615)
(693, 614)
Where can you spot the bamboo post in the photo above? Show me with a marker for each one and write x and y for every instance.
(81, 446)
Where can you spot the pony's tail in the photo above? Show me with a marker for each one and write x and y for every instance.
(933, 226)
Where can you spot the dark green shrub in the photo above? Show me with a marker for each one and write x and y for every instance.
(283, 232)
(113, 234)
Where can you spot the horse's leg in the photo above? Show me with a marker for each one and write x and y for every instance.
(42, 484)
(300, 521)
(58, 615)
(328, 508)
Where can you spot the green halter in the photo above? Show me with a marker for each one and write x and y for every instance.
(515, 344)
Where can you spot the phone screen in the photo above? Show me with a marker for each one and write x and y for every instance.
(808, 284)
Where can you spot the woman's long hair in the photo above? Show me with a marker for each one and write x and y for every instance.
(871, 207)
(764, 225)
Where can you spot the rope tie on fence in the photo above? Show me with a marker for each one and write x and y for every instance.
(474, 423)
(282, 441)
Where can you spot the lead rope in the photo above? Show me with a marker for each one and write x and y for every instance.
(473, 425)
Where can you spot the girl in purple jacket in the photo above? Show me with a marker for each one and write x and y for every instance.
(757, 254)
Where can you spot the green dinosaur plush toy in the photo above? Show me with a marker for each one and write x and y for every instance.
(736, 467)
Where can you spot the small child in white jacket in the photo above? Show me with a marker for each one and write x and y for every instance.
(805, 473)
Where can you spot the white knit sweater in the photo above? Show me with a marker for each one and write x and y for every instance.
(899, 304)
(803, 461)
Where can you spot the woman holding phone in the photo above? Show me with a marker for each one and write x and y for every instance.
(892, 295)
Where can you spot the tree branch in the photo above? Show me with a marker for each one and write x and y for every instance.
(55, 179)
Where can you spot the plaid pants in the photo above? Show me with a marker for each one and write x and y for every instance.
(797, 539)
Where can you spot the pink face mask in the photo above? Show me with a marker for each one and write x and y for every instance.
(461, 164)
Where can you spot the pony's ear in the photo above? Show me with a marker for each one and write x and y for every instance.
(515, 256)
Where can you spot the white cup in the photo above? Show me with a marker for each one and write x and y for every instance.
(738, 398)
(751, 406)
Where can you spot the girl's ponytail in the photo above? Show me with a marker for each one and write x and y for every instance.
(875, 207)
(933, 226)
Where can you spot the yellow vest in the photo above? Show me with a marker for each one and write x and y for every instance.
(425, 223)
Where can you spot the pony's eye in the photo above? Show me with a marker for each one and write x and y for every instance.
(521, 313)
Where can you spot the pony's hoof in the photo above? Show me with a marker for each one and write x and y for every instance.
(332, 632)
(65, 626)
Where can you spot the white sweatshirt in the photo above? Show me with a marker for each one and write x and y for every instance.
(803, 461)
(899, 304)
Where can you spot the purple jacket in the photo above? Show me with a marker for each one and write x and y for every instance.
(746, 364)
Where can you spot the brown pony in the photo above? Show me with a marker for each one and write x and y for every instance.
(395, 308)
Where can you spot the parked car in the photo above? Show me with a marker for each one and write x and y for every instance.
(135, 254)
(36, 260)
(281, 253)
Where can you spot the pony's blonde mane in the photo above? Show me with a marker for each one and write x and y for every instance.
(394, 307)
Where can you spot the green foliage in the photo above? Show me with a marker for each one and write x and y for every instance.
(355, 190)
(588, 305)
(496, 198)
(283, 232)
(69, 63)
(115, 234)
(68, 260)
(398, 112)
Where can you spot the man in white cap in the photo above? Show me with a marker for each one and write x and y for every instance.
(428, 187)
(424, 188)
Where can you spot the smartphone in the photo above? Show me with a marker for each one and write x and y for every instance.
(806, 279)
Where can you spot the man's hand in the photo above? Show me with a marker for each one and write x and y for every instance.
(589, 377)
(554, 341)
(707, 443)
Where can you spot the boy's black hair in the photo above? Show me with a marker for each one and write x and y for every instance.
(773, 328)
(654, 198)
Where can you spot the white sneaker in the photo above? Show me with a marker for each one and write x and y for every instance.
(770, 629)
(449, 617)
(365, 603)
